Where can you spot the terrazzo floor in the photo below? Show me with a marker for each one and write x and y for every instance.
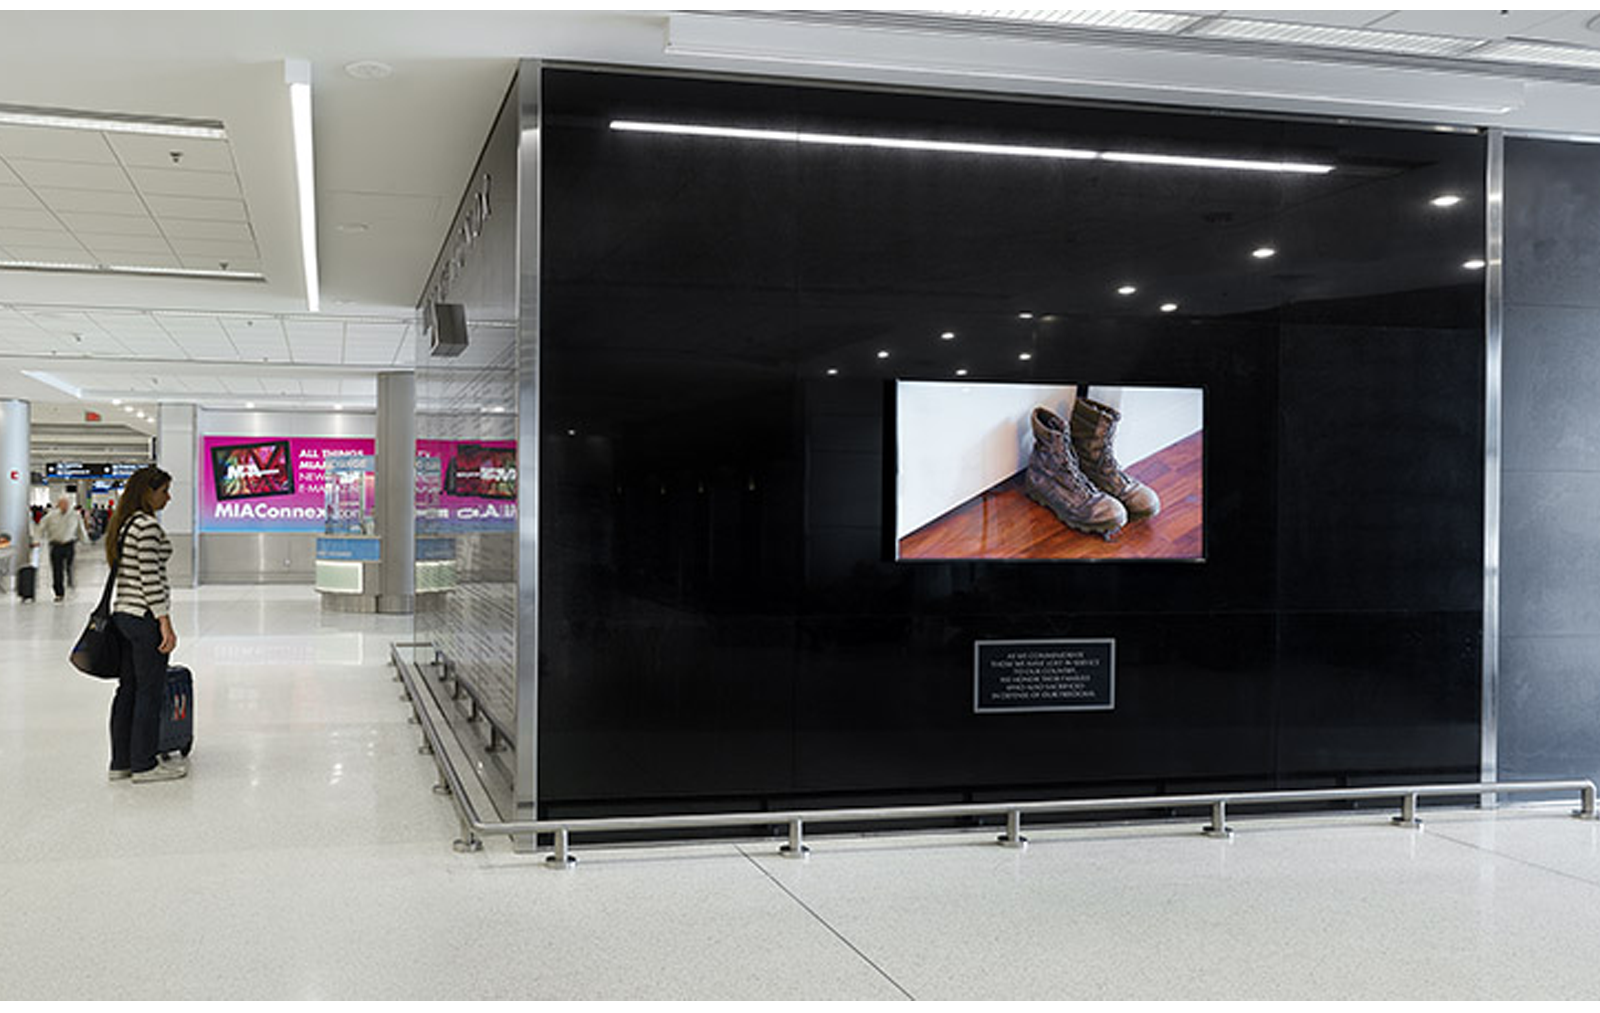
(306, 858)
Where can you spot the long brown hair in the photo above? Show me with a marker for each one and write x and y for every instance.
(135, 499)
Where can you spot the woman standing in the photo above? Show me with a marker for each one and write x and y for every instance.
(139, 549)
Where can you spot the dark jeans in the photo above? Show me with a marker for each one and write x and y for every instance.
(141, 693)
(61, 554)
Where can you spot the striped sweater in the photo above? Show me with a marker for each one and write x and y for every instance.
(142, 569)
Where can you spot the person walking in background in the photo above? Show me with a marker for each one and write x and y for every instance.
(140, 615)
(62, 529)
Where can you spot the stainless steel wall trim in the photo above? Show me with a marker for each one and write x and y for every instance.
(473, 826)
(529, 194)
(1494, 312)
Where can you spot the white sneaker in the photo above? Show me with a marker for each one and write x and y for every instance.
(162, 771)
(119, 775)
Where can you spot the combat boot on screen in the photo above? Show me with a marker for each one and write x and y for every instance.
(1094, 425)
(1055, 482)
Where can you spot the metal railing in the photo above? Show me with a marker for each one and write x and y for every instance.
(473, 828)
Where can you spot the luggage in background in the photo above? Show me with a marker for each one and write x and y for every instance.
(27, 582)
(177, 713)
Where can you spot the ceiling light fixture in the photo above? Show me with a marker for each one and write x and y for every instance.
(1446, 200)
(135, 269)
(947, 336)
(957, 147)
(1127, 290)
(1025, 356)
(249, 404)
(1169, 307)
(1475, 265)
(961, 372)
(1024, 316)
(1263, 253)
(883, 355)
(368, 70)
(71, 119)
(297, 75)
(51, 380)
(833, 372)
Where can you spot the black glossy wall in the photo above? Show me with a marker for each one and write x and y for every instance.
(721, 621)
(1550, 546)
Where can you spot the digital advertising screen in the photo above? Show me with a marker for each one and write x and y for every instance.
(268, 485)
(252, 469)
(1048, 472)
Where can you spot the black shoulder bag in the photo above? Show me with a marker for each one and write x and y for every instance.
(99, 652)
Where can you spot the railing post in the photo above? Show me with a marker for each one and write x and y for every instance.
(1219, 821)
(562, 858)
(468, 841)
(1013, 838)
(1408, 812)
(796, 848)
(1587, 810)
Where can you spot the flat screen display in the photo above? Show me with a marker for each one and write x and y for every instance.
(252, 469)
(484, 472)
(1066, 471)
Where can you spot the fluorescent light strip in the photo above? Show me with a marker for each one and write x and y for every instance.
(297, 74)
(172, 272)
(54, 381)
(1368, 40)
(1008, 150)
(24, 116)
(1130, 21)
(1514, 51)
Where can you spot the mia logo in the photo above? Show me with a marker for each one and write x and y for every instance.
(248, 469)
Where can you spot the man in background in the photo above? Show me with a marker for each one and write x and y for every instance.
(61, 529)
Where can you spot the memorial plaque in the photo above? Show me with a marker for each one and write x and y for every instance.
(1020, 676)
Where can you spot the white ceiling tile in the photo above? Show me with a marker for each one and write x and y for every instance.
(56, 143)
(7, 177)
(210, 248)
(123, 243)
(71, 175)
(123, 258)
(364, 331)
(215, 262)
(96, 201)
(299, 327)
(61, 320)
(1341, 19)
(183, 183)
(209, 209)
(49, 254)
(358, 388)
(1489, 24)
(15, 195)
(156, 152)
(121, 225)
(55, 236)
(231, 232)
(23, 218)
(321, 386)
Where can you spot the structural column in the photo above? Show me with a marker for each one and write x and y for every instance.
(397, 488)
(177, 447)
(16, 425)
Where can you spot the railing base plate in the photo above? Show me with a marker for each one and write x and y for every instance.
(1007, 841)
(1225, 834)
(788, 852)
(1401, 821)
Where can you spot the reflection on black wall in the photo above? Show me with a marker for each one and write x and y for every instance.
(721, 621)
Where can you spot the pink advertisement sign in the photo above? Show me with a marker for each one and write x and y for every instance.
(250, 483)
(466, 484)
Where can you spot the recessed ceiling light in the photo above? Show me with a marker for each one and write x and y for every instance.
(1025, 356)
(1127, 290)
(1475, 265)
(1024, 316)
(338, 407)
(961, 372)
(1446, 200)
(368, 70)
(572, 432)
(1263, 252)
(883, 355)
(947, 336)
(833, 372)
(128, 409)
(1169, 307)
(116, 400)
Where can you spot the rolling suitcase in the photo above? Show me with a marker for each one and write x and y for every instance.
(177, 714)
(27, 582)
